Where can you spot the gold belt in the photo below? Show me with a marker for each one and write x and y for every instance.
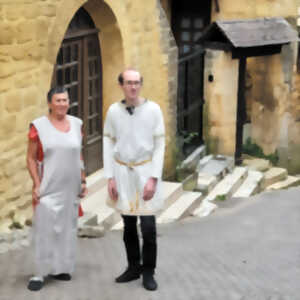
(133, 164)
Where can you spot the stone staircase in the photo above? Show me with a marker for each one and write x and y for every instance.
(212, 179)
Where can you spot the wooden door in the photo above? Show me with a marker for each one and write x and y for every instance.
(189, 19)
(78, 68)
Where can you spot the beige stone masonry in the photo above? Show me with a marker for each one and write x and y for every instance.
(290, 181)
(274, 175)
(257, 164)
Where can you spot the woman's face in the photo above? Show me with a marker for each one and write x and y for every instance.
(59, 104)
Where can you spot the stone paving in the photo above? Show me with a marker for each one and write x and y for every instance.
(247, 249)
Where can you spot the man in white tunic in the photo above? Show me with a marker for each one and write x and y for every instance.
(134, 143)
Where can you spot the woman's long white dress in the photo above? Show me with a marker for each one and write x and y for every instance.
(55, 217)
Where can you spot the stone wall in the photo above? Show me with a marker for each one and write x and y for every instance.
(272, 97)
(248, 9)
(132, 33)
(220, 94)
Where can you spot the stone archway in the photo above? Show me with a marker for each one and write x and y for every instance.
(111, 57)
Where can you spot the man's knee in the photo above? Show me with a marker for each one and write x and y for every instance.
(148, 227)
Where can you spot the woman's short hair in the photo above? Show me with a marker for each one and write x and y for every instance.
(56, 90)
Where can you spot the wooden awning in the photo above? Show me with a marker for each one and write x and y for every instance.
(252, 37)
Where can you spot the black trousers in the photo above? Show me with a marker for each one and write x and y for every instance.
(132, 245)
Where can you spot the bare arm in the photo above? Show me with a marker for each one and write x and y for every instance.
(84, 190)
(32, 166)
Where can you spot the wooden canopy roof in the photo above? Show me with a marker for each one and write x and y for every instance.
(255, 34)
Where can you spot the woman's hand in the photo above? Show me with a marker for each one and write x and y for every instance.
(112, 189)
(84, 190)
(35, 195)
(150, 189)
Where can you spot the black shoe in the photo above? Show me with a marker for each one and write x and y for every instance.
(149, 282)
(35, 285)
(62, 276)
(129, 275)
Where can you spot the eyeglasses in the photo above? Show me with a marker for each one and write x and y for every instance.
(132, 83)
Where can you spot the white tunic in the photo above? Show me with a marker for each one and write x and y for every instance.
(55, 218)
(136, 138)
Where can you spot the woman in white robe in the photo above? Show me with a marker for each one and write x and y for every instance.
(58, 182)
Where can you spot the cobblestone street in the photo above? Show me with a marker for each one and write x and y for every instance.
(249, 249)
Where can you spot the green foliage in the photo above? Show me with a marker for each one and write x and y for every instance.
(183, 138)
(221, 197)
(187, 137)
(15, 225)
(256, 151)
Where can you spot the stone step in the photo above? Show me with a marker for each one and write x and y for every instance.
(217, 166)
(274, 175)
(181, 208)
(223, 190)
(257, 164)
(205, 183)
(95, 204)
(251, 185)
(190, 163)
(290, 181)
(171, 190)
(96, 181)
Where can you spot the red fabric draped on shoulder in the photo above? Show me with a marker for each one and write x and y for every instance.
(33, 135)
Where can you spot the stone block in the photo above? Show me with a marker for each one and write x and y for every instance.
(257, 164)
(13, 101)
(25, 117)
(7, 69)
(5, 184)
(89, 219)
(190, 183)
(7, 34)
(6, 85)
(14, 12)
(190, 163)
(274, 175)
(42, 29)
(31, 96)
(17, 141)
(48, 10)
(13, 193)
(24, 80)
(31, 11)
(7, 125)
(205, 183)
(91, 231)
(290, 181)
(26, 31)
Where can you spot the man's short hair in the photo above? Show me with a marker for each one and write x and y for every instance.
(56, 90)
(121, 76)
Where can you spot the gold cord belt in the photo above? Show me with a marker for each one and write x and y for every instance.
(133, 164)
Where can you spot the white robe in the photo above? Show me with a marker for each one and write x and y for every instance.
(55, 217)
(133, 139)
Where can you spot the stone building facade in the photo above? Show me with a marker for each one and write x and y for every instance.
(138, 34)
(272, 109)
(132, 33)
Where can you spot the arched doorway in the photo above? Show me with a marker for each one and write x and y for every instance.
(79, 68)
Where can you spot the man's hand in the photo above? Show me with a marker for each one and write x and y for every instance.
(150, 188)
(112, 189)
(35, 196)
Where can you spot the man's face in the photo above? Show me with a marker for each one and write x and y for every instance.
(59, 104)
(131, 85)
